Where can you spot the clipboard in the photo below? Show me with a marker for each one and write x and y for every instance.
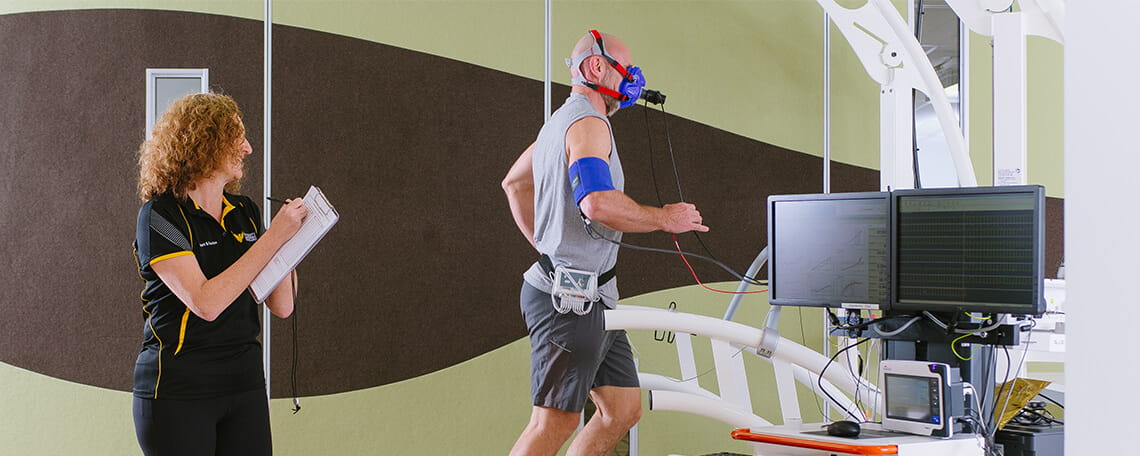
(322, 216)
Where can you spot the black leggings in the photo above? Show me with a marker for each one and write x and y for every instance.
(237, 424)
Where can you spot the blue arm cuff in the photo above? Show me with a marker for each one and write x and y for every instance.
(588, 175)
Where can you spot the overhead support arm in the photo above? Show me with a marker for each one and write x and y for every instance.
(1045, 18)
(893, 57)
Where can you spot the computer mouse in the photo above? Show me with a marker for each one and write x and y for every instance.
(843, 429)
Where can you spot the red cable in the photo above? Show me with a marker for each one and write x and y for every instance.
(686, 260)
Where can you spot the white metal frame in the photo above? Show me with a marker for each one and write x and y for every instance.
(791, 361)
(267, 173)
(892, 56)
(546, 109)
(1009, 30)
(152, 77)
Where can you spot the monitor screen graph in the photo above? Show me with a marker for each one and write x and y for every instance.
(969, 249)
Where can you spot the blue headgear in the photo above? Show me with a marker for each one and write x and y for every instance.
(632, 81)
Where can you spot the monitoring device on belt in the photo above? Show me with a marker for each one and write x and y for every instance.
(574, 290)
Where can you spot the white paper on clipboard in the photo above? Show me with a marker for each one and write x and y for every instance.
(322, 216)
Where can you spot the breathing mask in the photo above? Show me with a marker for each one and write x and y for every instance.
(632, 80)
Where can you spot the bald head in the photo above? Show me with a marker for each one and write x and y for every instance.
(613, 46)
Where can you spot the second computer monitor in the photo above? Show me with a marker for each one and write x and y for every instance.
(829, 250)
(969, 249)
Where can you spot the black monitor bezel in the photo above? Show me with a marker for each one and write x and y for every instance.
(772, 286)
(1038, 305)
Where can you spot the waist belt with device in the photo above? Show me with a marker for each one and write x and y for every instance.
(573, 290)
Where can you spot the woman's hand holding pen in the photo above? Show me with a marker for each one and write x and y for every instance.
(289, 217)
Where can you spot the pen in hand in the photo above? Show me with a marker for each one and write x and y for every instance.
(270, 198)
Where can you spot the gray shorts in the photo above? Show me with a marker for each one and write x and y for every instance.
(571, 354)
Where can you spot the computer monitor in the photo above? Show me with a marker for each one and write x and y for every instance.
(975, 249)
(829, 250)
(920, 397)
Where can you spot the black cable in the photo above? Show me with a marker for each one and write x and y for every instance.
(676, 177)
(856, 378)
(914, 125)
(1050, 419)
(981, 424)
(877, 368)
(668, 139)
(598, 236)
(652, 168)
(989, 368)
(997, 396)
(989, 421)
(984, 424)
(656, 187)
(669, 145)
(293, 374)
(677, 180)
(1032, 417)
(914, 142)
(641, 360)
(819, 379)
(1051, 400)
(975, 415)
(803, 340)
(976, 425)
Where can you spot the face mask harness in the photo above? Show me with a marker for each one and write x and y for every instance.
(632, 79)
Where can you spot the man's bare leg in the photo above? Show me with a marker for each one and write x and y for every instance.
(619, 408)
(547, 431)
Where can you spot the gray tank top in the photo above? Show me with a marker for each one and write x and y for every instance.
(558, 228)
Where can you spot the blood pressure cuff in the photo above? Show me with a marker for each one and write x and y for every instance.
(588, 175)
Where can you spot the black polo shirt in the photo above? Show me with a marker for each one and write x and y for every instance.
(184, 356)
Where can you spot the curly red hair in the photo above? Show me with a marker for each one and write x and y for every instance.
(195, 137)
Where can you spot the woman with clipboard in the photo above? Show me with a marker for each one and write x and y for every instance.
(199, 385)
